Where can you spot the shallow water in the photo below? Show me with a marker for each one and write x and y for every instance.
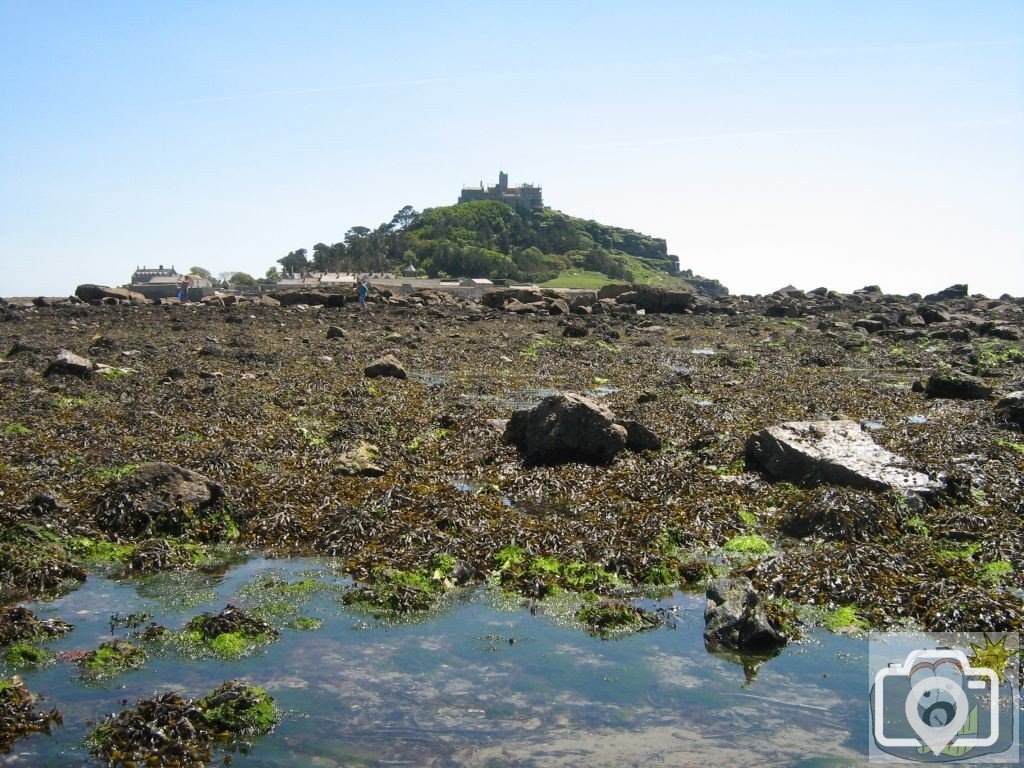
(482, 681)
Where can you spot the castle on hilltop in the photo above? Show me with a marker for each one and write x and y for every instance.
(526, 194)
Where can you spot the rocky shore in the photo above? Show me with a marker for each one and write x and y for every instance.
(148, 434)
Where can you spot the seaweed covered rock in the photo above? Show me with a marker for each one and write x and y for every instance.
(237, 709)
(230, 633)
(957, 386)
(1010, 409)
(161, 499)
(843, 513)
(360, 460)
(606, 616)
(170, 729)
(112, 658)
(387, 366)
(735, 617)
(18, 623)
(18, 714)
(811, 453)
(569, 427)
(33, 560)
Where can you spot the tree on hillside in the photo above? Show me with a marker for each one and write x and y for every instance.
(295, 263)
(203, 273)
(272, 275)
(406, 216)
(242, 278)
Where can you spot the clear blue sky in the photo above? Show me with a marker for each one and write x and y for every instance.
(812, 143)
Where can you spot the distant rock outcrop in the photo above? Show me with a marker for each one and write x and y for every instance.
(97, 293)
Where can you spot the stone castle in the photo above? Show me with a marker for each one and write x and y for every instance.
(525, 195)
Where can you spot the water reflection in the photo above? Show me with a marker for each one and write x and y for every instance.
(481, 682)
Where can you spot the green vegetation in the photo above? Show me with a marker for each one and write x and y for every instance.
(110, 474)
(25, 655)
(305, 623)
(845, 618)
(16, 430)
(996, 571)
(1018, 447)
(395, 591)
(238, 709)
(433, 436)
(111, 658)
(536, 345)
(487, 238)
(605, 616)
(916, 525)
(958, 552)
(748, 544)
(229, 634)
(95, 551)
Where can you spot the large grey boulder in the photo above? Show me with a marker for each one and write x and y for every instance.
(69, 364)
(569, 427)
(386, 366)
(840, 452)
(735, 617)
(1010, 409)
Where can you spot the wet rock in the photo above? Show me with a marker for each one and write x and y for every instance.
(957, 386)
(565, 428)
(838, 452)
(573, 331)
(334, 332)
(359, 461)
(69, 364)
(1010, 409)
(161, 499)
(735, 617)
(387, 366)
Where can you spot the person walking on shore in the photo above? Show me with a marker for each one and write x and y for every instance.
(363, 289)
(183, 287)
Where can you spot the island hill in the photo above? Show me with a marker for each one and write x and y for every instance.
(505, 235)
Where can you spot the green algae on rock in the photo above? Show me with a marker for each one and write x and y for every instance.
(112, 658)
(171, 729)
(229, 634)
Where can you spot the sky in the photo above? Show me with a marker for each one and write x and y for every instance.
(770, 143)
